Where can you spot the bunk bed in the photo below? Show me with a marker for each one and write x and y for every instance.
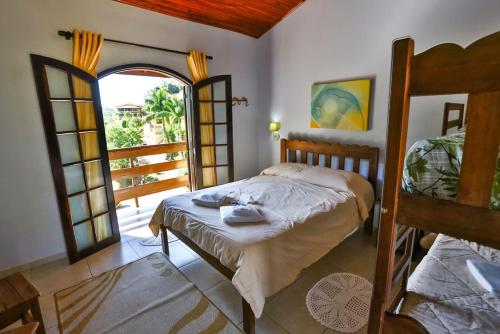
(454, 123)
(440, 296)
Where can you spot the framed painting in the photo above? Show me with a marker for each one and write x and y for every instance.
(341, 105)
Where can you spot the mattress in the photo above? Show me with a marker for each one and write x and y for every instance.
(303, 222)
(444, 296)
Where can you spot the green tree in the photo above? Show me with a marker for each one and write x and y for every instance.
(161, 104)
(118, 137)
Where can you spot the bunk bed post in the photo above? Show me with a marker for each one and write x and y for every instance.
(480, 149)
(396, 147)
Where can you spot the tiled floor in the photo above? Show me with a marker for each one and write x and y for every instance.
(285, 312)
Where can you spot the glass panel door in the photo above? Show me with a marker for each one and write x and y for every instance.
(212, 125)
(74, 129)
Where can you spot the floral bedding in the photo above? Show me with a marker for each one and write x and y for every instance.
(432, 168)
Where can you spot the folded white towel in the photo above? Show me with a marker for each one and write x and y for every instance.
(240, 214)
(487, 274)
(211, 200)
(246, 199)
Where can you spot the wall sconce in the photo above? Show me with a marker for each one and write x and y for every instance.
(275, 127)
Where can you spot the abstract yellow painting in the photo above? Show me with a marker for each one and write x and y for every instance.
(342, 105)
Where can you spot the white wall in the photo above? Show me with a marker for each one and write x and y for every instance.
(30, 227)
(336, 39)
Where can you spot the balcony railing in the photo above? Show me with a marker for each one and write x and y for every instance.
(138, 190)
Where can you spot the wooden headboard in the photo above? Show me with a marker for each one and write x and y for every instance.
(458, 123)
(289, 148)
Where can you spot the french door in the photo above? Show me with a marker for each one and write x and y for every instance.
(74, 129)
(212, 128)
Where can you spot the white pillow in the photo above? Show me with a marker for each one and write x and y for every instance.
(341, 180)
(285, 169)
(325, 177)
(338, 180)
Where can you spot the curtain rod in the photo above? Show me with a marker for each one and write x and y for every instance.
(69, 35)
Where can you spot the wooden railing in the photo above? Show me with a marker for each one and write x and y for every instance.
(138, 190)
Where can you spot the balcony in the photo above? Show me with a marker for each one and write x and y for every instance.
(137, 202)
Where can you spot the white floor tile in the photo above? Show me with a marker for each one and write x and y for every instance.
(58, 275)
(227, 298)
(202, 274)
(288, 309)
(111, 257)
(266, 325)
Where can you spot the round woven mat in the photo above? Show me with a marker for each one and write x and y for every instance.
(341, 301)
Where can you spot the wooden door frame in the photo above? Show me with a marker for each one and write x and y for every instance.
(188, 84)
(229, 124)
(38, 63)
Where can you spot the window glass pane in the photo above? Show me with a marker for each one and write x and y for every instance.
(205, 94)
(221, 134)
(222, 175)
(219, 90)
(82, 88)
(206, 134)
(73, 175)
(221, 155)
(86, 115)
(79, 208)
(90, 147)
(102, 226)
(220, 112)
(63, 116)
(83, 235)
(93, 171)
(68, 145)
(206, 112)
(208, 176)
(98, 201)
(58, 83)
(207, 156)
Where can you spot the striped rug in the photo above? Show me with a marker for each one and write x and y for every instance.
(149, 296)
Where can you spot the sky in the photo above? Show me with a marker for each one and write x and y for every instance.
(118, 89)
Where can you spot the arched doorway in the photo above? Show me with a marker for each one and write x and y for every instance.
(145, 113)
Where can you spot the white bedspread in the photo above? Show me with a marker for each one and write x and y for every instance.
(303, 222)
(445, 297)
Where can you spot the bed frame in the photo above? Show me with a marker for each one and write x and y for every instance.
(455, 123)
(289, 150)
(443, 69)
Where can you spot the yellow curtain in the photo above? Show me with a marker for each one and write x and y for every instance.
(86, 53)
(197, 65)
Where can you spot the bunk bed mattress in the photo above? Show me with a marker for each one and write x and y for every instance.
(432, 168)
(445, 297)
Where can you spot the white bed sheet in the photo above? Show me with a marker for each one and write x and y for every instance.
(304, 221)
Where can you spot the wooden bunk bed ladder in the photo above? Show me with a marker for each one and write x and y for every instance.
(443, 69)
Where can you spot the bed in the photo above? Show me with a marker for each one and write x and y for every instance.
(308, 210)
(448, 185)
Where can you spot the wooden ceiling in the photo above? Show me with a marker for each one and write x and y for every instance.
(249, 17)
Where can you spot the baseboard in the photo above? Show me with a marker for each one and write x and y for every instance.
(33, 264)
